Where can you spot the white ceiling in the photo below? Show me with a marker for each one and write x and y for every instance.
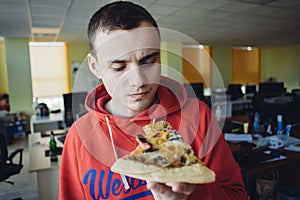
(210, 22)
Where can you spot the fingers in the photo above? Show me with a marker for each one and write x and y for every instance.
(171, 190)
(158, 188)
(182, 187)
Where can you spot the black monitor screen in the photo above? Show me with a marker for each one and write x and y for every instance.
(250, 89)
(194, 90)
(271, 88)
(74, 106)
(235, 91)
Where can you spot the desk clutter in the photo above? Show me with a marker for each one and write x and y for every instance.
(58, 152)
(268, 146)
(12, 125)
(256, 149)
(251, 156)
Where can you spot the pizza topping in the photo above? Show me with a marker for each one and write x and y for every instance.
(159, 160)
(143, 143)
(174, 135)
(164, 146)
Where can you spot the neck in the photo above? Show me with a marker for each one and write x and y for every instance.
(113, 109)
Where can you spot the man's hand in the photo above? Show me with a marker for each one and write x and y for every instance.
(170, 191)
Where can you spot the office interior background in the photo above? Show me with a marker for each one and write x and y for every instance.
(248, 42)
(269, 27)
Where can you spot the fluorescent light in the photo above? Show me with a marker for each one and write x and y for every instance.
(249, 48)
(47, 43)
(200, 46)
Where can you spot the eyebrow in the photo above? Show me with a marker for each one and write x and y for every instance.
(149, 56)
(141, 60)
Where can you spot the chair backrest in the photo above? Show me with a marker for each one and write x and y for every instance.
(3, 150)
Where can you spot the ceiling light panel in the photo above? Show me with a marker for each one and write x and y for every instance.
(162, 9)
(48, 10)
(237, 7)
(208, 5)
(61, 3)
(177, 3)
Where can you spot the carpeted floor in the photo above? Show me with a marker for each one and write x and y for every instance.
(25, 183)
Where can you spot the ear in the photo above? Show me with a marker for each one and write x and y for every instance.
(93, 65)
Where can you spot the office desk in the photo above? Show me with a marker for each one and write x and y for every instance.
(287, 168)
(45, 123)
(47, 172)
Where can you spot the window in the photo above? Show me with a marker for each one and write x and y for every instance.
(245, 65)
(49, 71)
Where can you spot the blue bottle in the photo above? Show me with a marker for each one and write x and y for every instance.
(279, 125)
(256, 122)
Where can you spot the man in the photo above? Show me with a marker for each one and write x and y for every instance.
(124, 40)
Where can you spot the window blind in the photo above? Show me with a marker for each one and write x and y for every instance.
(48, 69)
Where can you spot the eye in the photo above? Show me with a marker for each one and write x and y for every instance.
(119, 69)
(149, 62)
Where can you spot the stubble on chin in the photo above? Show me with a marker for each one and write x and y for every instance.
(136, 106)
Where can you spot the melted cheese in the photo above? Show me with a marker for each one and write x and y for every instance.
(167, 147)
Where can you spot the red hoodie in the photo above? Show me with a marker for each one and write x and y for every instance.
(88, 150)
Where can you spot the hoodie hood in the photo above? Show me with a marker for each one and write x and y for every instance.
(171, 97)
(105, 135)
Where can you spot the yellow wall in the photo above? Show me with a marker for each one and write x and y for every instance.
(77, 52)
(18, 74)
(221, 67)
(171, 60)
(283, 63)
(3, 70)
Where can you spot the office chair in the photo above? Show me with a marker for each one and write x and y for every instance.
(7, 166)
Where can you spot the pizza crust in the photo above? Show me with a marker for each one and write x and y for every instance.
(196, 173)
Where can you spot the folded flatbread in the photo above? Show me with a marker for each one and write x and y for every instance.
(162, 156)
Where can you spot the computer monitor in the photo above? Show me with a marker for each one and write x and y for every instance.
(271, 88)
(194, 90)
(234, 91)
(74, 105)
(250, 89)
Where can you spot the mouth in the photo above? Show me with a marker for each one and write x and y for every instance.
(139, 95)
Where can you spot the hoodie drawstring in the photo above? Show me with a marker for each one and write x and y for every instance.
(126, 184)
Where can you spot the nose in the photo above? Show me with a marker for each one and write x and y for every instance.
(136, 76)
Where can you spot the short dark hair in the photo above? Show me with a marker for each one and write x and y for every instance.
(121, 14)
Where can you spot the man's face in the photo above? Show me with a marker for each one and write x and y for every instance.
(128, 62)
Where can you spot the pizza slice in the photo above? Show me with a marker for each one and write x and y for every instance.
(163, 156)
